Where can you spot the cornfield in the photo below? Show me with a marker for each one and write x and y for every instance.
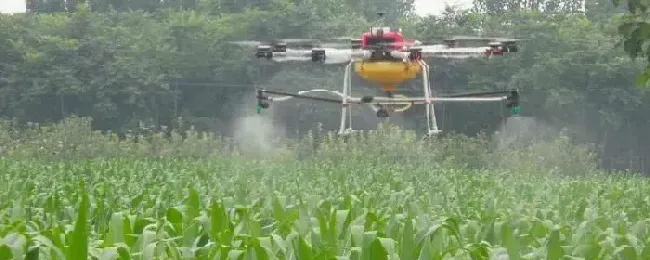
(384, 196)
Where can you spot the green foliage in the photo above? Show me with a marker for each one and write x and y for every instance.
(387, 195)
(123, 62)
(74, 139)
(68, 191)
(636, 33)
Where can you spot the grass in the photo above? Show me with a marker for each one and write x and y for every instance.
(94, 197)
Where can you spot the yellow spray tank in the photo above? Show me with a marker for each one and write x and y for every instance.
(388, 74)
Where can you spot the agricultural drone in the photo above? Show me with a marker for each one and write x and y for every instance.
(385, 58)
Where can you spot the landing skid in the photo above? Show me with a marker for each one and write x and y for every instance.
(384, 109)
(383, 105)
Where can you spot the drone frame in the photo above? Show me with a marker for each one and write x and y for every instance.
(377, 103)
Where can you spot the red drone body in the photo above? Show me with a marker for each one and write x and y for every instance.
(392, 40)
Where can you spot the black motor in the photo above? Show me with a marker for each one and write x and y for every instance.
(510, 47)
(262, 101)
(318, 55)
(264, 52)
(356, 44)
(280, 47)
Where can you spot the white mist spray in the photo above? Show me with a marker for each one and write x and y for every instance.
(255, 134)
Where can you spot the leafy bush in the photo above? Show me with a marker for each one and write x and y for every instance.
(73, 138)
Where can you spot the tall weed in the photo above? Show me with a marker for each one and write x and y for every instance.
(73, 139)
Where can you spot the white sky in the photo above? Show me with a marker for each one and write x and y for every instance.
(12, 6)
(427, 7)
(423, 7)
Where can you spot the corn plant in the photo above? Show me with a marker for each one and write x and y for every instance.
(385, 195)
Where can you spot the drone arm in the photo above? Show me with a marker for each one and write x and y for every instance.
(511, 95)
(260, 96)
(263, 101)
(456, 53)
(323, 55)
(282, 55)
(512, 92)
(447, 52)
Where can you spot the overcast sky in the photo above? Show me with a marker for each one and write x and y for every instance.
(423, 7)
(426, 7)
(12, 6)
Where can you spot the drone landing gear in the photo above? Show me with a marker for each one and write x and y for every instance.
(384, 106)
(391, 104)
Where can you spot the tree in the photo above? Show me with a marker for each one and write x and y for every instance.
(121, 62)
(636, 34)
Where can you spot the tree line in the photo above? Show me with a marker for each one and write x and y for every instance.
(125, 62)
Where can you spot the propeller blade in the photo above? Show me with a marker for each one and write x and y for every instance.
(337, 56)
(299, 43)
(335, 45)
(271, 42)
(481, 38)
(247, 43)
(344, 38)
(297, 40)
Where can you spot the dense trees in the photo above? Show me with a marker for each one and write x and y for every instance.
(121, 62)
(636, 32)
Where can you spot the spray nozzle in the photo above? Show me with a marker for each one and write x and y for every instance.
(513, 102)
(515, 110)
(260, 101)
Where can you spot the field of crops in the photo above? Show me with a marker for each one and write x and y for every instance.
(355, 201)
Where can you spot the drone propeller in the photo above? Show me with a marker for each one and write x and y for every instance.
(299, 43)
(334, 56)
(275, 42)
(247, 43)
(482, 40)
(478, 38)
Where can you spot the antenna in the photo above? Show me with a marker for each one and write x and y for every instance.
(380, 19)
(378, 28)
